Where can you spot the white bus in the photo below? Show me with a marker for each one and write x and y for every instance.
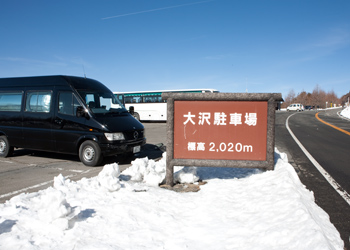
(149, 105)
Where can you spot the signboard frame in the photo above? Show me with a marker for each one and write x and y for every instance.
(271, 98)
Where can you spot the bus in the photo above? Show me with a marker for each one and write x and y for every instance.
(149, 105)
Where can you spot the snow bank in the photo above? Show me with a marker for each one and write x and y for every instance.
(346, 112)
(236, 209)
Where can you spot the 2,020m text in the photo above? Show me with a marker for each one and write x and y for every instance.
(230, 147)
(220, 147)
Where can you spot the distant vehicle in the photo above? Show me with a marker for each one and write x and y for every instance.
(149, 105)
(308, 107)
(66, 114)
(295, 107)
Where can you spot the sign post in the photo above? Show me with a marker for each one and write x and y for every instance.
(220, 130)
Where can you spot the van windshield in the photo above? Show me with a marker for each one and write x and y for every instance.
(102, 103)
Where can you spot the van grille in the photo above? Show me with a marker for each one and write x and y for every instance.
(134, 135)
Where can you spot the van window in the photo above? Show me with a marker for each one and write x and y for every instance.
(67, 103)
(102, 103)
(10, 101)
(38, 101)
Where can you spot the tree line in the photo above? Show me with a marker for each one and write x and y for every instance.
(318, 98)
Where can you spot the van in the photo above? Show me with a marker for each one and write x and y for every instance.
(66, 114)
(295, 107)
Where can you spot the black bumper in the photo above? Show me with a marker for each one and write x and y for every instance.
(120, 148)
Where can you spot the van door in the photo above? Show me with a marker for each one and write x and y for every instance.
(37, 120)
(68, 128)
(11, 116)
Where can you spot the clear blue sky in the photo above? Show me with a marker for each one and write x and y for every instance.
(229, 45)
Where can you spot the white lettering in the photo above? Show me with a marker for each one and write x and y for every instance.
(251, 119)
(223, 147)
(191, 146)
(236, 119)
(189, 117)
(220, 118)
(200, 146)
(204, 116)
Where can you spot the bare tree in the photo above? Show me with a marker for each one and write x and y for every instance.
(318, 97)
(332, 99)
(345, 99)
(289, 98)
(302, 98)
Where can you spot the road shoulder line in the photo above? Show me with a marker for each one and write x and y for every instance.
(325, 174)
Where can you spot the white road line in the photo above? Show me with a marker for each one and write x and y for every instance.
(325, 174)
(77, 171)
(36, 186)
(7, 161)
(25, 189)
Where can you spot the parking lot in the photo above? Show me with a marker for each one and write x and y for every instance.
(30, 171)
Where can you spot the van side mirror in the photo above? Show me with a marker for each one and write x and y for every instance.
(131, 110)
(81, 112)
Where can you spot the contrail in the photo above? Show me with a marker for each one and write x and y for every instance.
(145, 11)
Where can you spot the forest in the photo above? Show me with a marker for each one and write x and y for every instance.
(318, 98)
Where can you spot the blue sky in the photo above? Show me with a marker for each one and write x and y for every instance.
(229, 45)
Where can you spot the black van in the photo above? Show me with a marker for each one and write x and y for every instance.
(66, 114)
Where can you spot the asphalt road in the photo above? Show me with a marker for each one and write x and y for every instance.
(330, 148)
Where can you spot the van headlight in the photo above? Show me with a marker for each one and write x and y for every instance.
(115, 136)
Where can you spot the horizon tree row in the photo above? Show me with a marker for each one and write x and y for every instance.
(318, 98)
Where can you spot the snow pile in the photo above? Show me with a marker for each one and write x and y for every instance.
(346, 112)
(109, 177)
(236, 209)
(152, 173)
(147, 171)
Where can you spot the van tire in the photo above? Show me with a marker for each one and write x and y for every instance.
(90, 153)
(5, 148)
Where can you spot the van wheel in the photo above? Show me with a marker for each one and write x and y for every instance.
(90, 153)
(5, 148)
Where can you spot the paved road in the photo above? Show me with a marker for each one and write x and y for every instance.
(30, 171)
(328, 147)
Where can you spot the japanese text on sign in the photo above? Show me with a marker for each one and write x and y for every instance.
(220, 130)
(220, 118)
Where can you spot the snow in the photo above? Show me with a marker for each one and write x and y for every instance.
(236, 209)
(346, 112)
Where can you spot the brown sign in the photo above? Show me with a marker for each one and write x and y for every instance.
(220, 130)
(224, 130)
